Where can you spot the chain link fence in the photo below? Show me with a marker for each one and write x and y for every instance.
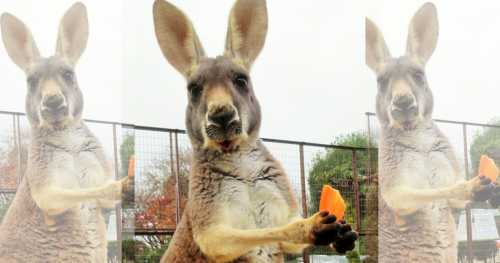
(141, 232)
(478, 224)
(162, 169)
(14, 138)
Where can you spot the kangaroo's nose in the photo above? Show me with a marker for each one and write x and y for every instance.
(53, 102)
(403, 102)
(222, 118)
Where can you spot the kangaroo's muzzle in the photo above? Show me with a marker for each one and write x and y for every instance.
(223, 126)
(404, 110)
(54, 110)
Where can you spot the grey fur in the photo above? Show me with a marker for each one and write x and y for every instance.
(420, 177)
(241, 205)
(56, 213)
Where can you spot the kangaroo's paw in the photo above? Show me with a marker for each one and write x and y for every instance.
(494, 201)
(128, 188)
(324, 229)
(346, 239)
(482, 188)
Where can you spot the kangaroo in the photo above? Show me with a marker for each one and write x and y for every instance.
(56, 213)
(241, 205)
(420, 177)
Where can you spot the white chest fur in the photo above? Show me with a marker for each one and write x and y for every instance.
(255, 195)
(428, 166)
(76, 166)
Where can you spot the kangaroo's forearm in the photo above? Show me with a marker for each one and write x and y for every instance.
(406, 200)
(291, 247)
(55, 200)
(223, 243)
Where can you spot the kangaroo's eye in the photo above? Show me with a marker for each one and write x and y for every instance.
(241, 81)
(194, 89)
(33, 84)
(418, 77)
(68, 77)
(382, 83)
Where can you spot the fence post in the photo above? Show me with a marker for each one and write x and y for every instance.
(117, 206)
(305, 253)
(18, 152)
(177, 194)
(356, 190)
(369, 136)
(468, 217)
(172, 172)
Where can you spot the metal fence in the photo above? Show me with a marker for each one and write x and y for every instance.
(14, 137)
(141, 232)
(478, 224)
(162, 168)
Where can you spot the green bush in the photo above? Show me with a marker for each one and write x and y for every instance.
(482, 250)
(112, 251)
(132, 249)
(353, 257)
(154, 255)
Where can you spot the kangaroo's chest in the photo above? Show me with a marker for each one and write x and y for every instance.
(259, 202)
(77, 167)
(429, 165)
(252, 190)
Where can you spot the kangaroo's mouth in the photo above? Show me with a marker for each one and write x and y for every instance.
(407, 125)
(226, 146)
(407, 119)
(56, 125)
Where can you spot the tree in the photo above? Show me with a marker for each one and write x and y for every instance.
(335, 168)
(9, 154)
(127, 149)
(156, 201)
(485, 142)
(9, 166)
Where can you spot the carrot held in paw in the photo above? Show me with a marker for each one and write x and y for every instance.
(332, 202)
(487, 167)
(131, 165)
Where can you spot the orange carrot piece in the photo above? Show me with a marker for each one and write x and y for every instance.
(332, 202)
(131, 165)
(487, 167)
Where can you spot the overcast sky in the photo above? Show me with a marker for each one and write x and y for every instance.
(311, 78)
(306, 78)
(99, 70)
(463, 72)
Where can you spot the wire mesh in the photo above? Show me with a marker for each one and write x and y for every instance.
(470, 141)
(14, 138)
(162, 167)
(162, 157)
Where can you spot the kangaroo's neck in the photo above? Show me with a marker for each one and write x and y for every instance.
(68, 136)
(420, 136)
(241, 162)
(209, 154)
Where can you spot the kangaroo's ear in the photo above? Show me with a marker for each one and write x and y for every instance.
(18, 42)
(73, 34)
(423, 34)
(376, 50)
(177, 39)
(247, 31)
